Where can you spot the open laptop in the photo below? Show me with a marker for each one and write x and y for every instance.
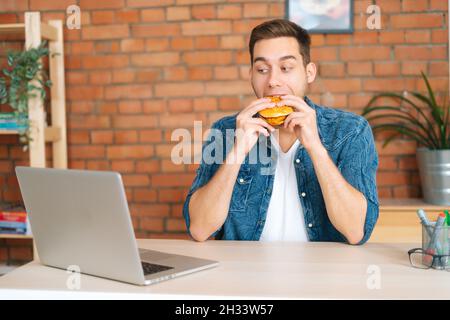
(80, 218)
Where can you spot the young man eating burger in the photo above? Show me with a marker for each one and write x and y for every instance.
(323, 186)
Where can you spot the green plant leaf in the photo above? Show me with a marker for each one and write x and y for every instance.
(413, 122)
(446, 107)
(403, 130)
(410, 131)
(10, 59)
(435, 112)
(430, 126)
(401, 110)
(430, 91)
(23, 74)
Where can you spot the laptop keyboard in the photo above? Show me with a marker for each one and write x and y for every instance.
(150, 268)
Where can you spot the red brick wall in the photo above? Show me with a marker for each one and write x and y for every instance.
(138, 69)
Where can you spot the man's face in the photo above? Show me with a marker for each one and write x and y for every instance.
(278, 68)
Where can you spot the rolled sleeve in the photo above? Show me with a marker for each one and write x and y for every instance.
(204, 173)
(359, 166)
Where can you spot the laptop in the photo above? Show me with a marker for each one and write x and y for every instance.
(80, 218)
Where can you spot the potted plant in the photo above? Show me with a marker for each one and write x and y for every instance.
(24, 70)
(429, 129)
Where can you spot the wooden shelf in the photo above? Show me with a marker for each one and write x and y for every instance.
(409, 204)
(9, 132)
(52, 134)
(48, 32)
(55, 132)
(398, 221)
(15, 236)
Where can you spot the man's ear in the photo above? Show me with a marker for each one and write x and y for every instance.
(311, 71)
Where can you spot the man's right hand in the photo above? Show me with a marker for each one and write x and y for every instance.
(209, 215)
(248, 128)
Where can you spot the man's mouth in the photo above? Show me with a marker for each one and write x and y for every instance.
(275, 94)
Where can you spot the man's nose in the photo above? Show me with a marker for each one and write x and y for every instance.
(274, 79)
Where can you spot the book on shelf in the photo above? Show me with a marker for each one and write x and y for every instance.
(12, 126)
(13, 216)
(21, 231)
(14, 221)
(10, 115)
(9, 121)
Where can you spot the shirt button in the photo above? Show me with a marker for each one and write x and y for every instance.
(310, 225)
(303, 194)
(241, 180)
(297, 160)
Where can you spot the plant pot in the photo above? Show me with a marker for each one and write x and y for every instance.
(434, 170)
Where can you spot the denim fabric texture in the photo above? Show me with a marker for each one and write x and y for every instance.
(347, 137)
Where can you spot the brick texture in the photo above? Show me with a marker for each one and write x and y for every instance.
(138, 69)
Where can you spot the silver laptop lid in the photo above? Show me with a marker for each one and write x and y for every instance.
(81, 218)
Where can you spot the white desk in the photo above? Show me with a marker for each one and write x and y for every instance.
(254, 270)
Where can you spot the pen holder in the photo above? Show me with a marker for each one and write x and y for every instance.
(435, 241)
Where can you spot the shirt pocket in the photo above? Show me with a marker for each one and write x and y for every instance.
(241, 190)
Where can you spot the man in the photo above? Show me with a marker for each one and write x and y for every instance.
(323, 187)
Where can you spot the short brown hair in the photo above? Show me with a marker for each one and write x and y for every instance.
(281, 28)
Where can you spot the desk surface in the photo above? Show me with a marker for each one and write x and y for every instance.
(255, 270)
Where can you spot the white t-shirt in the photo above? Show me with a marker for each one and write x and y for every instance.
(285, 221)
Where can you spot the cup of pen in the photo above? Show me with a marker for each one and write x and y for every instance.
(436, 244)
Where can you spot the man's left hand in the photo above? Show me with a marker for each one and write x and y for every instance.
(302, 122)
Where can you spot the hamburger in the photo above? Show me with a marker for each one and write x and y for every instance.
(275, 116)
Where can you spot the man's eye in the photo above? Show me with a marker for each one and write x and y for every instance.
(262, 71)
(286, 69)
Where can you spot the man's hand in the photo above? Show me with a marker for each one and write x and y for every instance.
(302, 122)
(248, 128)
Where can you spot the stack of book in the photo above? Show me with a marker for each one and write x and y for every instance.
(9, 121)
(13, 222)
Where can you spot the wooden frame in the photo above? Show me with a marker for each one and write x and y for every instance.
(290, 4)
(35, 31)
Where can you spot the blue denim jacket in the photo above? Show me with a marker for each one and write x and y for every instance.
(349, 141)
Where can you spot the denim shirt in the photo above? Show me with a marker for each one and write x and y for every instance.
(347, 137)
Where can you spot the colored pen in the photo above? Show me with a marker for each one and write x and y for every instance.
(437, 229)
(447, 217)
(427, 225)
(424, 220)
